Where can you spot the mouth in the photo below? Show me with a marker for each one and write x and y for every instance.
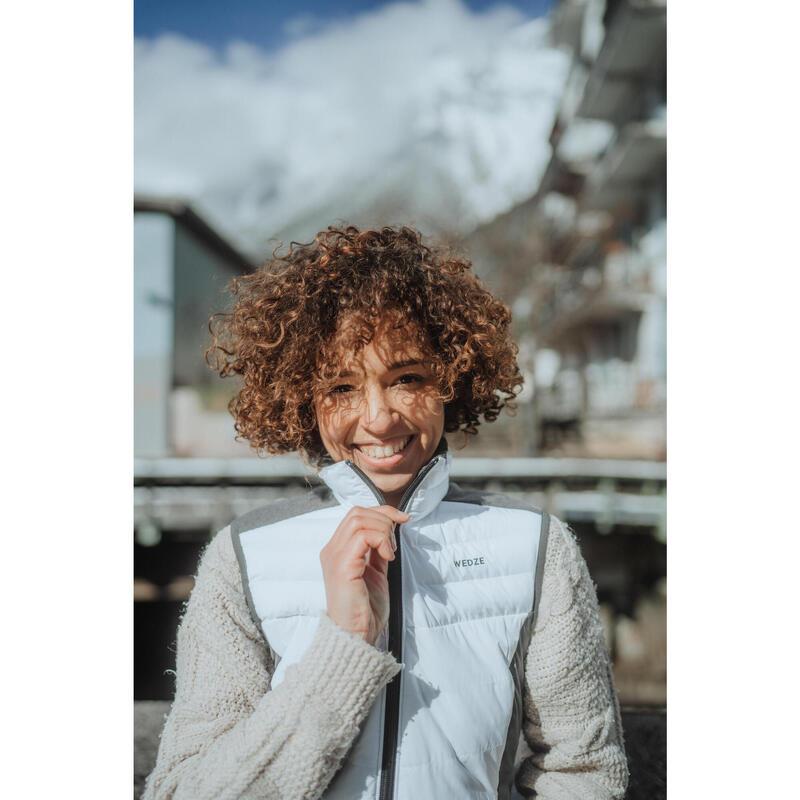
(387, 454)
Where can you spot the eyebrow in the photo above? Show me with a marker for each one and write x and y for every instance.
(401, 364)
(395, 365)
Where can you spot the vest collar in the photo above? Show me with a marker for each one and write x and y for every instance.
(351, 487)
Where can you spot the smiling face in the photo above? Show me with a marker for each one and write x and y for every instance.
(383, 411)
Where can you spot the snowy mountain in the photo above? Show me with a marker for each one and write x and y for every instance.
(425, 113)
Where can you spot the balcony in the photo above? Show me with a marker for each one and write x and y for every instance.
(633, 53)
(631, 168)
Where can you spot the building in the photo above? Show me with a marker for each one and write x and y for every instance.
(602, 301)
(181, 267)
(587, 253)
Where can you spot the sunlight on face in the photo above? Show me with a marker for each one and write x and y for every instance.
(383, 411)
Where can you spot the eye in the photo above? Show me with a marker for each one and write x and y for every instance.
(409, 378)
(342, 388)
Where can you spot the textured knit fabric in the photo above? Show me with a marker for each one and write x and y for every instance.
(228, 737)
(572, 720)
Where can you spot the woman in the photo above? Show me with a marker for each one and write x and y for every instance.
(389, 636)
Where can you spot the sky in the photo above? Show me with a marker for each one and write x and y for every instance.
(267, 23)
(427, 113)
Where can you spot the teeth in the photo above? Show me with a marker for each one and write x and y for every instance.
(384, 451)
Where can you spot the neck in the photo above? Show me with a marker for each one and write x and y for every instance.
(393, 498)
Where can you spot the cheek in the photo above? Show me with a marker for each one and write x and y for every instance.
(435, 409)
(426, 409)
(333, 423)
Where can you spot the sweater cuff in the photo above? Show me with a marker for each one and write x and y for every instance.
(343, 671)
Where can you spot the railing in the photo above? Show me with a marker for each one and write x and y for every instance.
(198, 493)
(616, 507)
(258, 470)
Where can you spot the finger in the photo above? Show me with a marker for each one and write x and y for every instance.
(376, 583)
(378, 514)
(377, 562)
(353, 521)
(360, 545)
(393, 513)
(351, 554)
(361, 519)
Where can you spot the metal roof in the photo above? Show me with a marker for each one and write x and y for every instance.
(182, 212)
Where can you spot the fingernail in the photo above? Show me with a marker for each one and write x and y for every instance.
(394, 542)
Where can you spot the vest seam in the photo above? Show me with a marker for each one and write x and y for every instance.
(458, 755)
(527, 508)
(495, 537)
(523, 506)
(251, 606)
(470, 619)
(505, 774)
(541, 555)
(539, 514)
(379, 750)
(495, 682)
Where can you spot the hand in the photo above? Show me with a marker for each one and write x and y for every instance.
(355, 563)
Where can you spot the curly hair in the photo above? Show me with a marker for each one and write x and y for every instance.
(283, 333)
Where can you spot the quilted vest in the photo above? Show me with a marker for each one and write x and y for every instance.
(464, 587)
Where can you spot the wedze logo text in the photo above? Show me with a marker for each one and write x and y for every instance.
(469, 562)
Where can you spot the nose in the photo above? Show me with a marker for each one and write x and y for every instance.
(378, 414)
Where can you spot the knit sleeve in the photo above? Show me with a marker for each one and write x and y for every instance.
(571, 720)
(226, 735)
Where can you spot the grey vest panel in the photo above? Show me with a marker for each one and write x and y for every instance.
(317, 498)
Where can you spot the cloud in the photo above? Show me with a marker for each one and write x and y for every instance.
(416, 112)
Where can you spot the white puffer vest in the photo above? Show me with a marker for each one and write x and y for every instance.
(463, 591)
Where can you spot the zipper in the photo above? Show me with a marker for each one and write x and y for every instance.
(373, 488)
(391, 714)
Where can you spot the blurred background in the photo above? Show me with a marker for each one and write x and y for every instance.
(529, 135)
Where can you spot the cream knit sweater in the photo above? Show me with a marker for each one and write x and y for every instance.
(228, 737)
